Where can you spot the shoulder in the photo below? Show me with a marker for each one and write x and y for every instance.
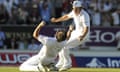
(85, 13)
(51, 41)
(71, 13)
(47, 37)
(42, 36)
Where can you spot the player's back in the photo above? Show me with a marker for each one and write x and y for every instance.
(53, 47)
(50, 50)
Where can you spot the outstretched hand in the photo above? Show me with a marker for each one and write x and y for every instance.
(42, 23)
(53, 19)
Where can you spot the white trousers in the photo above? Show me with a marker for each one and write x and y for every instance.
(31, 64)
(64, 54)
(64, 58)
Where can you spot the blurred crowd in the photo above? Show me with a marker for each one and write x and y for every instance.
(18, 41)
(104, 13)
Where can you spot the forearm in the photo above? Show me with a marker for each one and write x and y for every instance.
(69, 34)
(63, 18)
(85, 31)
(71, 28)
(37, 30)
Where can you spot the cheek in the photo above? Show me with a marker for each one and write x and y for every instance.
(75, 10)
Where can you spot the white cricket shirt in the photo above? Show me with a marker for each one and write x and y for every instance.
(82, 20)
(50, 47)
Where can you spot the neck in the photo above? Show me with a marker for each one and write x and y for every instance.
(59, 40)
(77, 12)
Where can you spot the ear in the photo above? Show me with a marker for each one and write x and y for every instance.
(56, 33)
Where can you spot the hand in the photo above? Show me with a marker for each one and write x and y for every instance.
(71, 27)
(42, 23)
(53, 19)
(81, 38)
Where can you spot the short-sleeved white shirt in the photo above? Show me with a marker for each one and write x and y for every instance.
(82, 20)
(50, 47)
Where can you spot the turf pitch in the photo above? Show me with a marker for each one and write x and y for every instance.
(15, 69)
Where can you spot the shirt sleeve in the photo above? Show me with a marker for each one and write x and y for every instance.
(70, 14)
(43, 39)
(86, 20)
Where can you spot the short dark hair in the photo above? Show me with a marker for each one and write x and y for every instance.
(64, 34)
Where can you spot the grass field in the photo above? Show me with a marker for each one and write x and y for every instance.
(15, 69)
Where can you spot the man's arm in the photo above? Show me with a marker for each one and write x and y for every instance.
(63, 18)
(37, 30)
(86, 26)
(71, 28)
(85, 31)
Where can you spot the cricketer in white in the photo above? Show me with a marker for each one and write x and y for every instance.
(78, 36)
(49, 51)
